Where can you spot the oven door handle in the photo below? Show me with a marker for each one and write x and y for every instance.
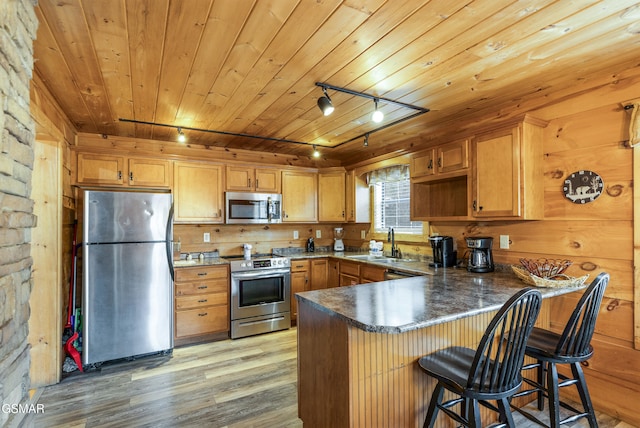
(259, 274)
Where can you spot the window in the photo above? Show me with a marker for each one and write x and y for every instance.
(391, 198)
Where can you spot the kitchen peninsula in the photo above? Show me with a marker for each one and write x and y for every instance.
(358, 346)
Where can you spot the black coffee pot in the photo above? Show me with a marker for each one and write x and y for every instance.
(443, 253)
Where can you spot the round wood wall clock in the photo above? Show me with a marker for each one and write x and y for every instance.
(582, 187)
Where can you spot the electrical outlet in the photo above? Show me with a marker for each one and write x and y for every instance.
(504, 242)
(318, 234)
(206, 237)
(295, 234)
(363, 234)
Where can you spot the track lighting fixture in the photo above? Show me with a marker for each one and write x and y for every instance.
(325, 104)
(316, 153)
(377, 115)
(366, 140)
(181, 137)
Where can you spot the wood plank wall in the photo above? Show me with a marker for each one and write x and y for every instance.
(597, 237)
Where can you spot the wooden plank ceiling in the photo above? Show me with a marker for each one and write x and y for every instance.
(250, 66)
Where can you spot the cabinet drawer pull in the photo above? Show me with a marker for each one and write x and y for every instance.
(202, 274)
(203, 287)
(202, 301)
(131, 176)
(203, 315)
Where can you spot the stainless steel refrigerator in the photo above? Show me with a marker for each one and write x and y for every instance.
(127, 273)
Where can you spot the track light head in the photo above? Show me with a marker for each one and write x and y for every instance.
(181, 137)
(325, 104)
(316, 153)
(377, 115)
(366, 140)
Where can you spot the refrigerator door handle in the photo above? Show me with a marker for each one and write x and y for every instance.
(169, 241)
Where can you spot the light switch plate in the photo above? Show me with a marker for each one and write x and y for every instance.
(318, 234)
(363, 234)
(504, 242)
(206, 237)
(295, 234)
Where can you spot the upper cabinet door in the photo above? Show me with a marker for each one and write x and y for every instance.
(331, 196)
(497, 178)
(423, 163)
(299, 196)
(149, 173)
(453, 156)
(100, 169)
(508, 176)
(268, 181)
(198, 193)
(239, 178)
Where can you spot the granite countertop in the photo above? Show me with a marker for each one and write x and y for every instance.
(207, 261)
(402, 305)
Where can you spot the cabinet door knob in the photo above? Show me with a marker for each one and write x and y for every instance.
(430, 166)
(119, 175)
(131, 176)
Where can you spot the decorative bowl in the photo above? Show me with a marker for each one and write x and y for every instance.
(545, 268)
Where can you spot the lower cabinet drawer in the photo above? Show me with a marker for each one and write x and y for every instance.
(199, 300)
(204, 320)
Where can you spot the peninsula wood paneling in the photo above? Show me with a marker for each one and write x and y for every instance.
(385, 385)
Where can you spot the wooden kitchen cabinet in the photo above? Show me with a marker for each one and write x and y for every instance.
(447, 158)
(108, 170)
(331, 196)
(357, 198)
(243, 178)
(440, 184)
(508, 175)
(299, 196)
(319, 273)
(333, 273)
(349, 273)
(198, 193)
(370, 273)
(299, 282)
(201, 303)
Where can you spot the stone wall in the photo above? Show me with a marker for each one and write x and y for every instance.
(17, 31)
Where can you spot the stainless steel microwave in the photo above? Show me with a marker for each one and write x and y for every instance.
(253, 208)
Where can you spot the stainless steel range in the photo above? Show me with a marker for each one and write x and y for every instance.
(260, 296)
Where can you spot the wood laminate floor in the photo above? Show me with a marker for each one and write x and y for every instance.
(248, 382)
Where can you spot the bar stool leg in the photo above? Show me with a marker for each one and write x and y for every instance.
(542, 380)
(584, 394)
(432, 413)
(554, 395)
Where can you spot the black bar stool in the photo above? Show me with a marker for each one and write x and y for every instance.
(490, 372)
(571, 347)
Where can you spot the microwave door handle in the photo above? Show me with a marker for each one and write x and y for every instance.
(249, 275)
(269, 209)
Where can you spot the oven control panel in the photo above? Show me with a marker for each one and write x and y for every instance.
(270, 263)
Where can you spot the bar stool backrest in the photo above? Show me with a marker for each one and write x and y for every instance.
(498, 360)
(576, 337)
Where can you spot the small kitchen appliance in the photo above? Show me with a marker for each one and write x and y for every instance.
(444, 253)
(338, 233)
(253, 208)
(310, 245)
(480, 258)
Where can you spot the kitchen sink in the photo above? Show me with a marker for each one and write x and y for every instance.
(379, 259)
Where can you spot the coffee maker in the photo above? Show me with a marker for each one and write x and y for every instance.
(444, 254)
(480, 258)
